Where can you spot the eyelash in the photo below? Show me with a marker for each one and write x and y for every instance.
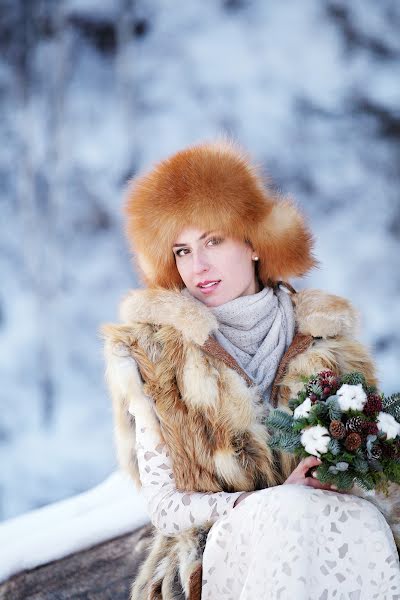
(216, 240)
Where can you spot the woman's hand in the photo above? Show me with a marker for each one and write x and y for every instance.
(298, 476)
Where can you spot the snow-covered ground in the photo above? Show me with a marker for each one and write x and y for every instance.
(94, 92)
(49, 533)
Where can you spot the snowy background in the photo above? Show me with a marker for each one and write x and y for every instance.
(91, 93)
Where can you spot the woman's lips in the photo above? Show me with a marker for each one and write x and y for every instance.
(210, 289)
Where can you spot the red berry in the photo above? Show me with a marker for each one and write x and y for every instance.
(369, 427)
(373, 404)
(327, 391)
(327, 373)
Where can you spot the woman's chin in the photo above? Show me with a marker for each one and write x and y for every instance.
(211, 300)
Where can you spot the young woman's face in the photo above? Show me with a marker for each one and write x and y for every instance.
(213, 267)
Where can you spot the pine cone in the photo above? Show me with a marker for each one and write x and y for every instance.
(390, 451)
(370, 428)
(376, 452)
(337, 430)
(353, 441)
(373, 404)
(354, 424)
(311, 382)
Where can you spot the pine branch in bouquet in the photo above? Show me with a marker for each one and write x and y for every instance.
(344, 480)
(320, 411)
(299, 424)
(334, 411)
(280, 420)
(289, 441)
(285, 441)
(274, 441)
(391, 405)
(360, 465)
(324, 476)
(353, 379)
(393, 471)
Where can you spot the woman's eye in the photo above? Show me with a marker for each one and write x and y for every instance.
(182, 251)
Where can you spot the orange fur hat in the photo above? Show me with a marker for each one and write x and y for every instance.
(213, 186)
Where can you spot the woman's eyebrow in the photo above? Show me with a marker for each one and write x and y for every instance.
(200, 238)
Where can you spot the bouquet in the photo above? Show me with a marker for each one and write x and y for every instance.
(346, 423)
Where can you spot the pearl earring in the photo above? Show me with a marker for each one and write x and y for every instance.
(255, 258)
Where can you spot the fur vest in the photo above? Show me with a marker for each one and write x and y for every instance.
(210, 414)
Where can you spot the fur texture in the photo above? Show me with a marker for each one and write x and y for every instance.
(324, 315)
(213, 186)
(209, 416)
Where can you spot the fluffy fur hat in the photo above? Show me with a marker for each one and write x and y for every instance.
(213, 186)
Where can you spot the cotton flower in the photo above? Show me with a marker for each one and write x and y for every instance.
(303, 410)
(315, 440)
(351, 397)
(388, 424)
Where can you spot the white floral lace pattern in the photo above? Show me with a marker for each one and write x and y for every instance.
(295, 542)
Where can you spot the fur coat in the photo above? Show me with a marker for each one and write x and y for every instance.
(210, 414)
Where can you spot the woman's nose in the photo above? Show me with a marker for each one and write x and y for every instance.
(200, 265)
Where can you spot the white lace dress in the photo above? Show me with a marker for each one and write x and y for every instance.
(286, 542)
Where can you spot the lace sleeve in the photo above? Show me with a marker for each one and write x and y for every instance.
(170, 510)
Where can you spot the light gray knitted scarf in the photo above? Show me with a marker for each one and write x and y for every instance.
(257, 330)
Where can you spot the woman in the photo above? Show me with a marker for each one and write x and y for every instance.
(202, 354)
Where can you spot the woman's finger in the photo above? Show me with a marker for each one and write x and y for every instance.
(307, 463)
(311, 482)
